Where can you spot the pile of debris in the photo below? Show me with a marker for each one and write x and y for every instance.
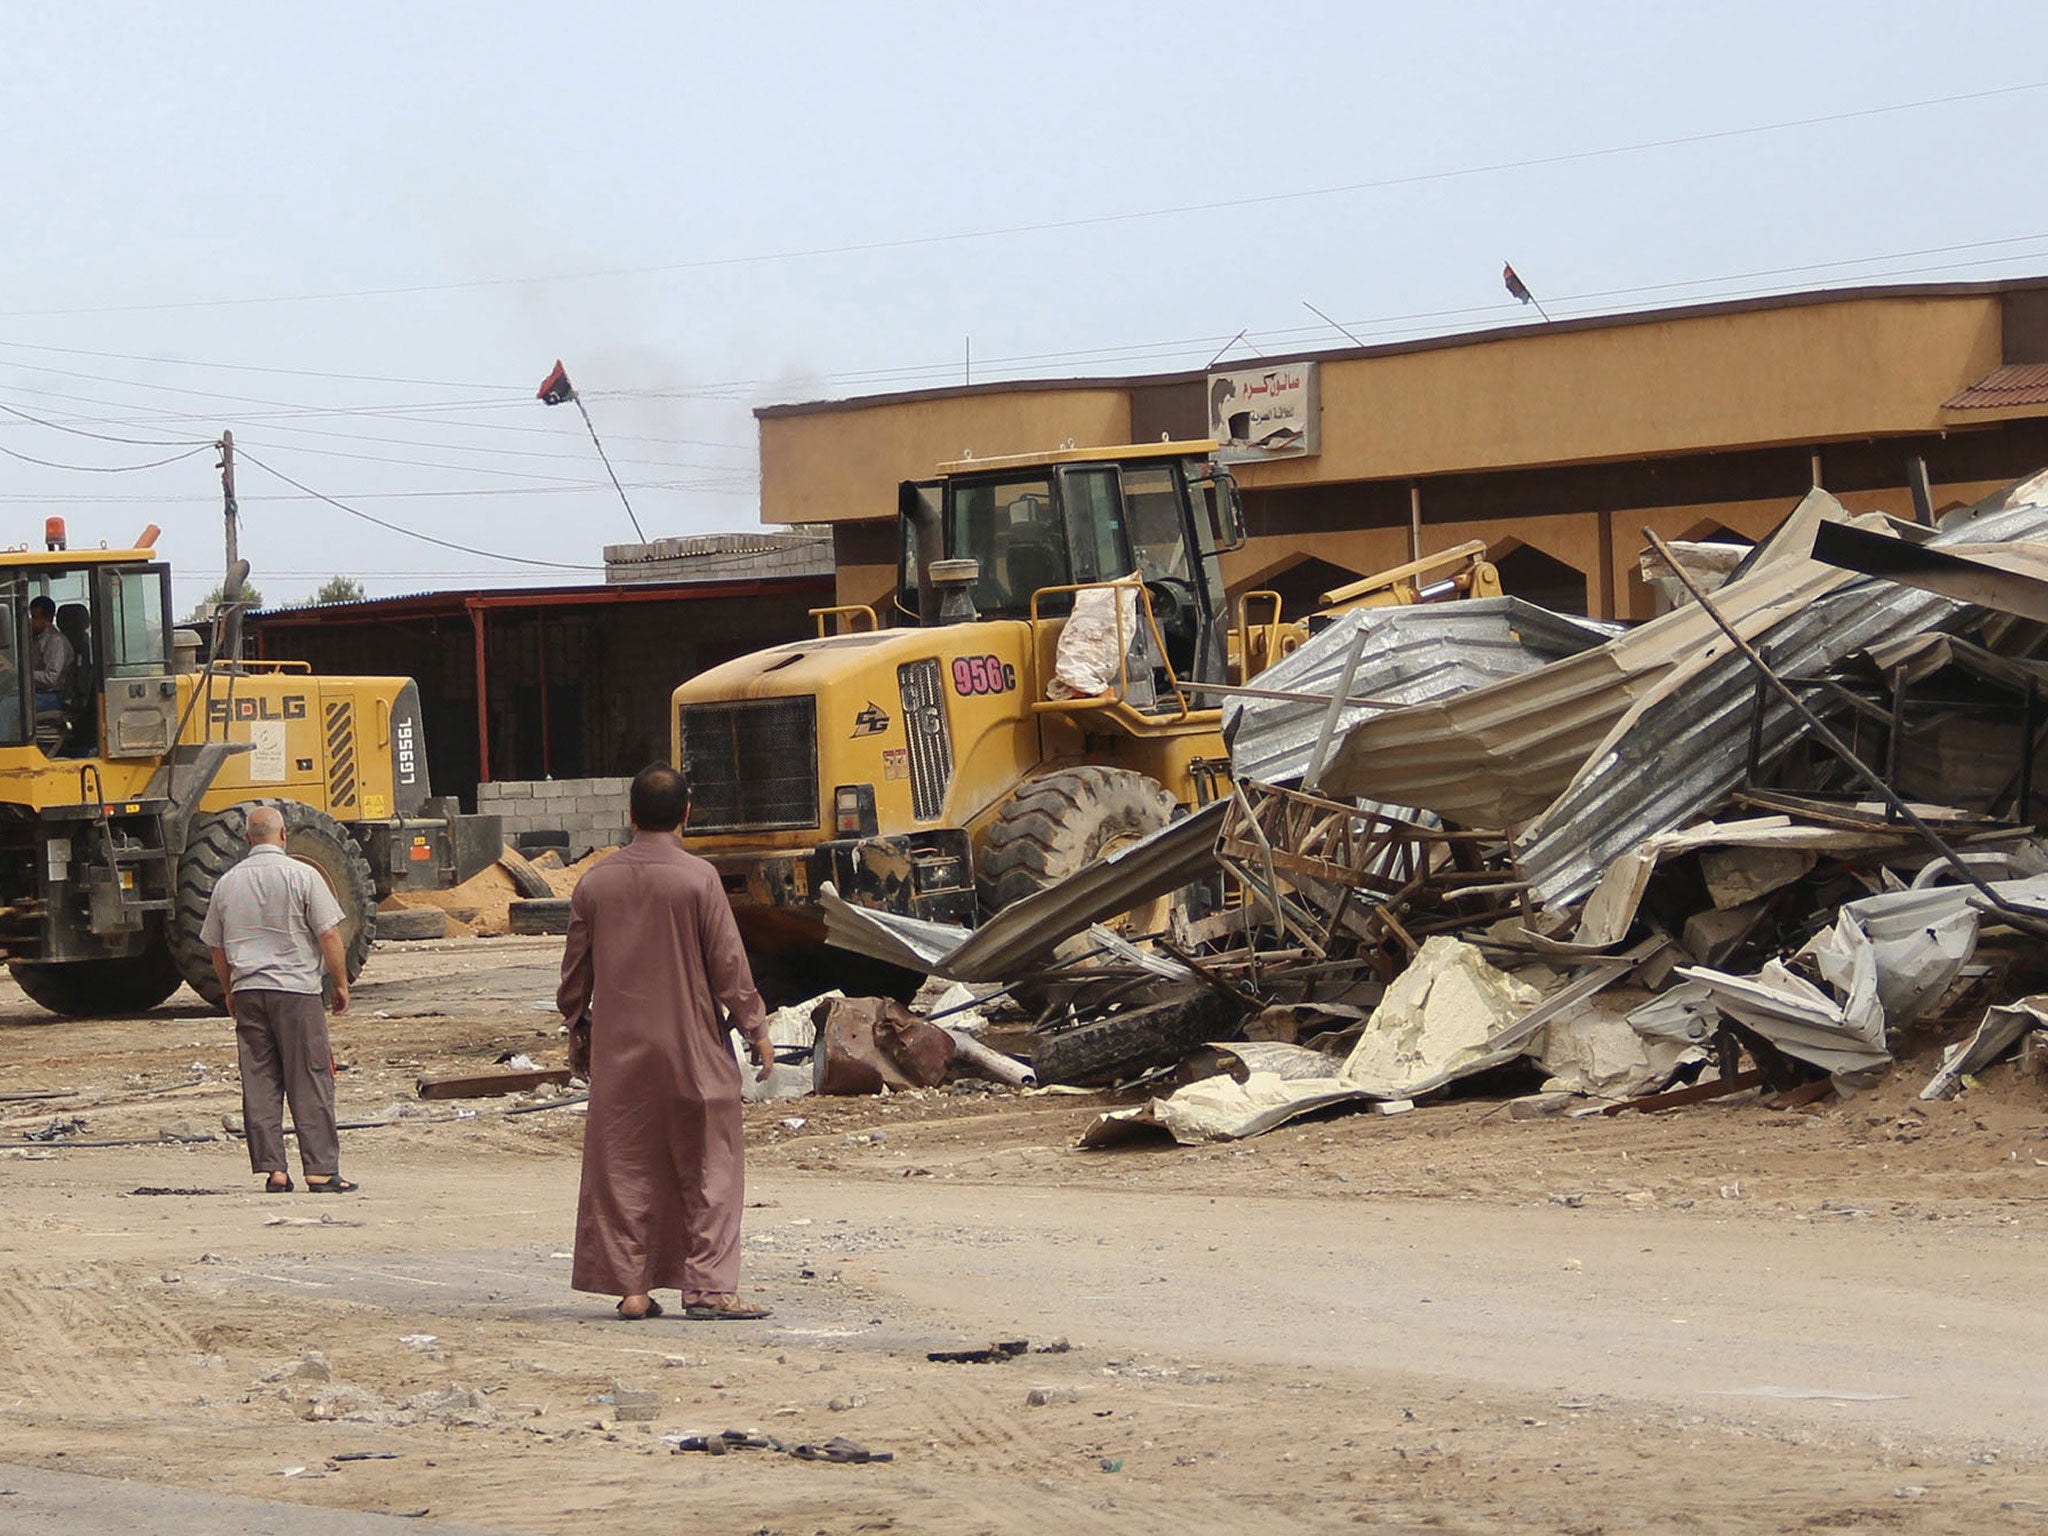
(1747, 844)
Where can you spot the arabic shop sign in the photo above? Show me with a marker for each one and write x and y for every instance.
(1270, 412)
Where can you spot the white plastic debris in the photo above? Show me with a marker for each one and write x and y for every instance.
(1437, 1022)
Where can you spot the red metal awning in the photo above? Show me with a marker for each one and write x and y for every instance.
(2014, 384)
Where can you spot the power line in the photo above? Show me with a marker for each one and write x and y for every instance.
(1387, 326)
(1203, 345)
(103, 469)
(133, 442)
(496, 451)
(414, 533)
(297, 373)
(701, 487)
(485, 469)
(214, 394)
(1417, 178)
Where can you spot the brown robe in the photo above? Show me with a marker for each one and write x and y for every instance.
(652, 954)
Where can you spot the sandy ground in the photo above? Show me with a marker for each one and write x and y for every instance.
(1726, 1318)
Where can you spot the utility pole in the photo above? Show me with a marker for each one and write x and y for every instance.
(227, 492)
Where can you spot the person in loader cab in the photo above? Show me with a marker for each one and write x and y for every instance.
(49, 656)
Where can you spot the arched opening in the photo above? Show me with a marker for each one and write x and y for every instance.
(1527, 572)
(1301, 584)
(1711, 532)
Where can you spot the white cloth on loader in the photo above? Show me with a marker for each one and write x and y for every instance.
(1089, 659)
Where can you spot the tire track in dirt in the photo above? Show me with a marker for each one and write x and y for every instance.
(980, 1443)
(91, 1335)
(964, 1424)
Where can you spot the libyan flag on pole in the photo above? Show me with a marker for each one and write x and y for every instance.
(556, 388)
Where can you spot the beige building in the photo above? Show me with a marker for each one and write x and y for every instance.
(1557, 443)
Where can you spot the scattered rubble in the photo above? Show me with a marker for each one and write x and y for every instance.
(838, 1449)
(1771, 839)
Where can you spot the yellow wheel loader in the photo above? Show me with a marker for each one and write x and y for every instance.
(948, 768)
(934, 769)
(128, 768)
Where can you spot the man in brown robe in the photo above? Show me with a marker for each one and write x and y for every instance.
(655, 959)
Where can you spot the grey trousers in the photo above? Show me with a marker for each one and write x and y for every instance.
(281, 1039)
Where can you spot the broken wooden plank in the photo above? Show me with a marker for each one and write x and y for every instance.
(491, 1084)
(1698, 1093)
(1805, 1093)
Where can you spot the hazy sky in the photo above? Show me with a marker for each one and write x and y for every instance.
(358, 236)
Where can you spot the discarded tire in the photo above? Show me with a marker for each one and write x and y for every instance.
(550, 915)
(95, 988)
(526, 880)
(412, 923)
(1122, 1044)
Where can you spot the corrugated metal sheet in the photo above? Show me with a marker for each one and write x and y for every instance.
(1025, 931)
(1497, 755)
(1685, 745)
(1411, 656)
(2014, 384)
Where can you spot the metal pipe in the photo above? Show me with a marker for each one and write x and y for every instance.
(988, 1063)
(2029, 723)
(547, 735)
(1314, 777)
(483, 703)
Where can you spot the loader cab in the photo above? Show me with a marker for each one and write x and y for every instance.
(1163, 512)
(111, 616)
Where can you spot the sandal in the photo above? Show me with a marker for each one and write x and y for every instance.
(735, 1311)
(336, 1185)
(279, 1189)
(653, 1310)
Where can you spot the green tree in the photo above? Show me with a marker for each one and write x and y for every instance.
(340, 589)
(250, 597)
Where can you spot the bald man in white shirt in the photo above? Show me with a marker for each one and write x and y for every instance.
(272, 926)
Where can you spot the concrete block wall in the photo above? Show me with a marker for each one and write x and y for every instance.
(592, 811)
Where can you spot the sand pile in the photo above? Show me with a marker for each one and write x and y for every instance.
(482, 904)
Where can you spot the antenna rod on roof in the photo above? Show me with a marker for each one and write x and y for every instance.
(1243, 336)
(1325, 318)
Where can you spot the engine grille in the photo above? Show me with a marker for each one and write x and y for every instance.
(931, 742)
(753, 765)
(341, 755)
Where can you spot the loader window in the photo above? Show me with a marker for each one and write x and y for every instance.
(13, 682)
(1095, 524)
(133, 616)
(1152, 509)
(1012, 528)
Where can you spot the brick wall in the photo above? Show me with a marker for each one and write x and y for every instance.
(591, 811)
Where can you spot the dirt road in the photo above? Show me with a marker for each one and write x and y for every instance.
(1725, 1320)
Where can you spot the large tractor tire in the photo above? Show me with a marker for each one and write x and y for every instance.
(83, 989)
(1057, 825)
(216, 845)
(411, 923)
(1121, 1045)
